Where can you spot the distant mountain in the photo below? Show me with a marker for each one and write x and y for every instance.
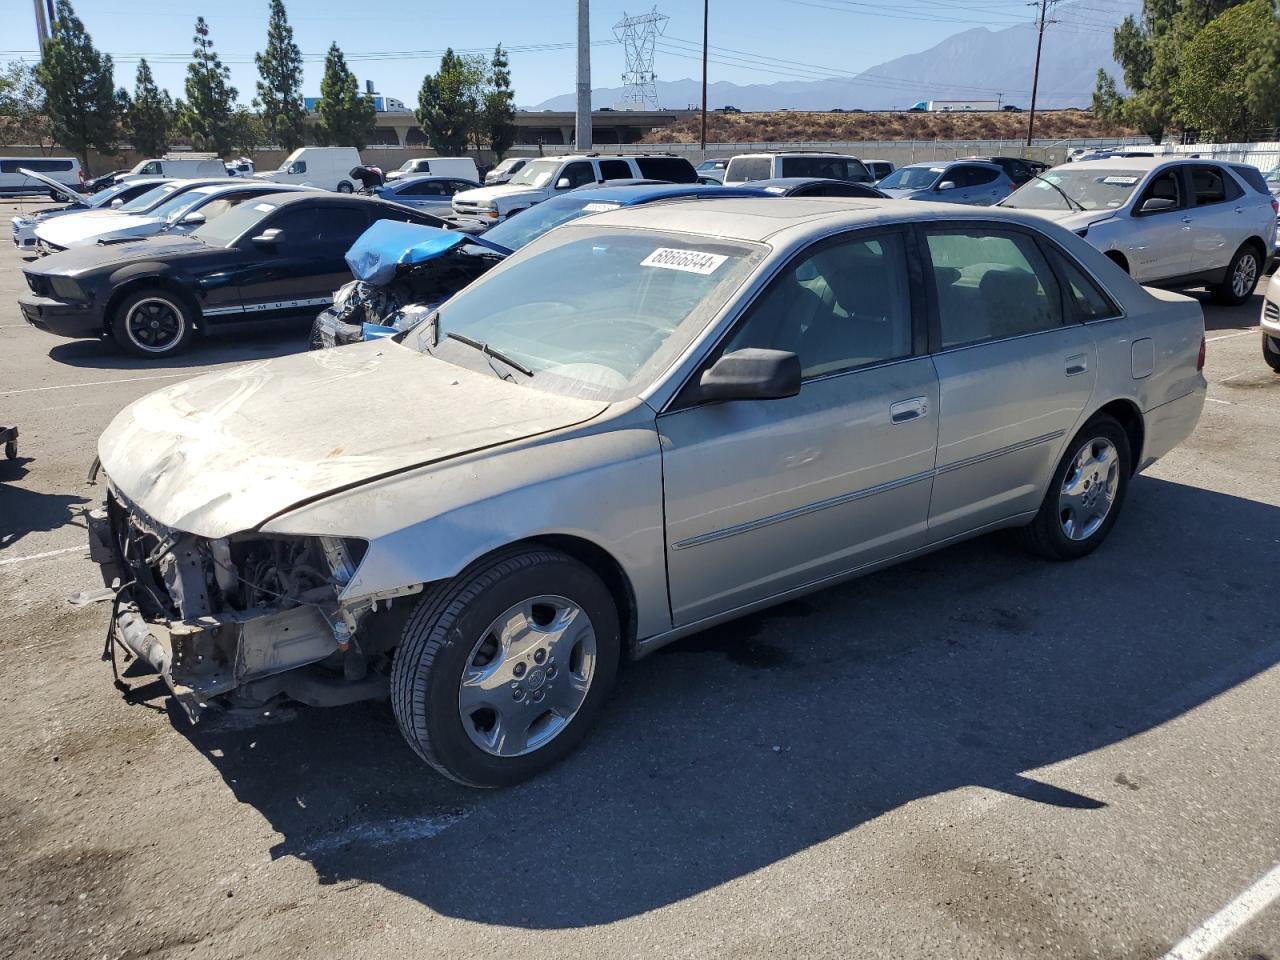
(971, 65)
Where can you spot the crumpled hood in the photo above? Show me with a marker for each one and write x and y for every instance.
(94, 225)
(503, 193)
(227, 451)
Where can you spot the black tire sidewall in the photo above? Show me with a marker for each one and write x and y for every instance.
(1049, 527)
(1224, 293)
(120, 333)
(1271, 351)
(436, 714)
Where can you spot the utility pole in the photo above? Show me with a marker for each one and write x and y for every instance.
(582, 125)
(1035, 76)
(706, 5)
(42, 27)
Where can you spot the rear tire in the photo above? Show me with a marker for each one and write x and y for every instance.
(535, 636)
(345, 187)
(1271, 351)
(1086, 493)
(1240, 279)
(153, 323)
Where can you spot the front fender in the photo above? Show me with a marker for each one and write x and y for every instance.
(601, 484)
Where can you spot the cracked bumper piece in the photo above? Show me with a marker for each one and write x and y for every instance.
(208, 657)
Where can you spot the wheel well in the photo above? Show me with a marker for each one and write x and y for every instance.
(603, 565)
(1118, 258)
(1258, 245)
(139, 283)
(1130, 417)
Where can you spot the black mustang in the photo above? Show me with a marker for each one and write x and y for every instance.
(275, 258)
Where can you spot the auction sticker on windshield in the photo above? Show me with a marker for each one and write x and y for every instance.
(1120, 181)
(690, 261)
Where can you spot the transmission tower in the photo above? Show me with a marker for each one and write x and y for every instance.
(639, 38)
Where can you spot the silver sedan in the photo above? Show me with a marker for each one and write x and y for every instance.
(643, 424)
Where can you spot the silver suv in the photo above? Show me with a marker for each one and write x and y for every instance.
(547, 177)
(1168, 222)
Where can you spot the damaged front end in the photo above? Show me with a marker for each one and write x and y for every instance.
(241, 620)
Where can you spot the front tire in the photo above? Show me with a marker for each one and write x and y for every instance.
(153, 323)
(1086, 493)
(502, 671)
(1241, 278)
(1271, 351)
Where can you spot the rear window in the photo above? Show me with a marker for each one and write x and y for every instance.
(671, 169)
(830, 168)
(742, 169)
(36, 165)
(1252, 176)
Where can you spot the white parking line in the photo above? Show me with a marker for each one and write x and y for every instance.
(1228, 336)
(1216, 400)
(42, 556)
(97, 383)
(1247, 905)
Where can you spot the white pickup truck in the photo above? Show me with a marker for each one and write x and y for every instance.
(547, 176)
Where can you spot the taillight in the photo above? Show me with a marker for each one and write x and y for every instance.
(1200, 358)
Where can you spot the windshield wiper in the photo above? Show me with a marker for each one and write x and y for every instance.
(488, 351)
(1065, 196)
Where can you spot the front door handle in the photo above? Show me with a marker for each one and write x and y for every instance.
(1187, 220)
(1077, 365)
(905, 410)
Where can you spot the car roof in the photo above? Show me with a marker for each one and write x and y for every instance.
(944, 164)
(647, 193)
(326, 197)
(793, 181)
(797, 153)
(754, 220)
(1134, 163)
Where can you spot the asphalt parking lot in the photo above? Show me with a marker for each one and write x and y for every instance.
(976, 754)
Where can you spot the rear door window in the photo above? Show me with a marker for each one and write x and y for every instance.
(991, 285)
(1207, 186)
(1086, 298)
(615, 170)
(741, 169)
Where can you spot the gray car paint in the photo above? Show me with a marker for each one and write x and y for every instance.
(575, 470)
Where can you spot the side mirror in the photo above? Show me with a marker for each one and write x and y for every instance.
(117, 203)
(563, 183)
(1157, 205)
(945, 185)
(269, 238)
(193, 219)
(751, 374)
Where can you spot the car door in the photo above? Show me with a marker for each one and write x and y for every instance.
(300, 272)
(1218, 222)
(1157, 244)
(1015, 370)
(980, 186)
(763, 496)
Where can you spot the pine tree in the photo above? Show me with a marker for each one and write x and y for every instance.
(280, 89)
(22, 116)
(499, 105)
(80, 96)
(150, 114)
(346, 116)
(210, 104)
(447, 105)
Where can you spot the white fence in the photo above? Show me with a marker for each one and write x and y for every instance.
(1264, 156)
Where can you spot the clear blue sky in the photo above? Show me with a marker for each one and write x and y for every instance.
(395, 43)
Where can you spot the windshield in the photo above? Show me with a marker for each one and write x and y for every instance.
(237, 221)
(175, 207)
(911, 178)
(145, 201)
(595, 312)
(1093, 189)
(537, 173)
(532, 223)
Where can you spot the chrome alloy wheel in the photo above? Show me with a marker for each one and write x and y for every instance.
(527, 676)
(1245, 275)
(1089, 488)
(154, 324)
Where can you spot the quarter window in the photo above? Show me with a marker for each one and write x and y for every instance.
(991, 286)
(845, 305)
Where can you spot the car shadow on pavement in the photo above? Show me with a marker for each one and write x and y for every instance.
(219, 346)
(752, 742)
(1219, 317)
(24, 511)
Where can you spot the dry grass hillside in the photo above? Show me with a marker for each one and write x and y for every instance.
(794, 126)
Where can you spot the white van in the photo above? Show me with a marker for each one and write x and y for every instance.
(326, 167)
(463, 167)
(66, 170)
(768, 166)
(178, 167)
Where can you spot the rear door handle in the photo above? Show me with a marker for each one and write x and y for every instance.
(905, 410)
(1077, 365)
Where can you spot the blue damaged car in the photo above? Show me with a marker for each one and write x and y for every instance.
(404, 272)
